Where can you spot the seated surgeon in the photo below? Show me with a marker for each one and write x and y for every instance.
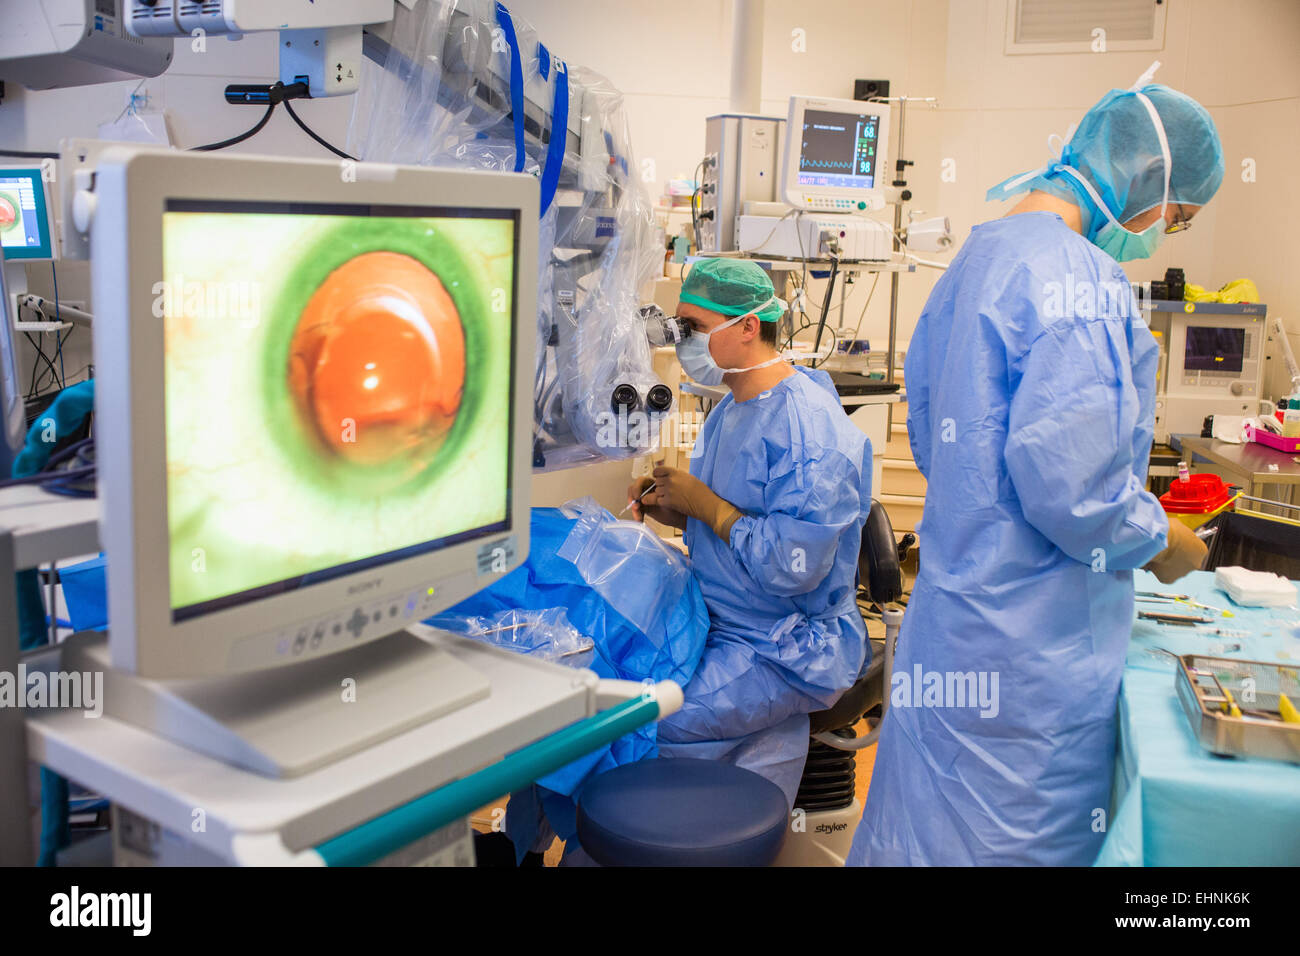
(772, 508)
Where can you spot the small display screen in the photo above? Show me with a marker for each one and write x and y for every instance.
(838, 149)
(338, 389)
(1211, 349)
(24, 223)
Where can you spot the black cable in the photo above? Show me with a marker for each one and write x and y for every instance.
(39, 382)
(826, 303)
(277, 93)
(61, 335)
(58, 487)
(46, 477)
(78, 449)
(54, 276)
(804, 324)
(819, 362)
(28, 154)
(310, 132)
(80, 454)
(248, 134)
(46, 377)
(699, 188)
(695, 222)
(36, 364)
(40, 354)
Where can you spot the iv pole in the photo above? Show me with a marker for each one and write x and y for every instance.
(899, 182)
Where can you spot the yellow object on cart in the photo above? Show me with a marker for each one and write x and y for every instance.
(1236, 291)
(1194, 521)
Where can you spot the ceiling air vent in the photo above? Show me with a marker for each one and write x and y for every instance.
(1085, 26)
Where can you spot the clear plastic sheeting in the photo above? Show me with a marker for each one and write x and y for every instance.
(463, 83)
(637, 600)
(629, 566)
(544, 633)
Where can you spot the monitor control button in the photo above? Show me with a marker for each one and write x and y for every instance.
(357, 622)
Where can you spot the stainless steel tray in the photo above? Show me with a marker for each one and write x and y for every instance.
(1207, 686)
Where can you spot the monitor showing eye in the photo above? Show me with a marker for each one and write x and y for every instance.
(377, 361)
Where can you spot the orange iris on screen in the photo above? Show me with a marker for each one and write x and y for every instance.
(8, 214)
(377, 361)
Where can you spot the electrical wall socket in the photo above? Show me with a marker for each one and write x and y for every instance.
(34, 325)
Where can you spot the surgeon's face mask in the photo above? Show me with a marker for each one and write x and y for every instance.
(1119, 243)
(697, 360)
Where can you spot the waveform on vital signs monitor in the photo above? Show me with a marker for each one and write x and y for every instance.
(825, 163)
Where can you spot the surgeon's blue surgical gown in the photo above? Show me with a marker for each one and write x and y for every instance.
(786, 637)
(1030, 386)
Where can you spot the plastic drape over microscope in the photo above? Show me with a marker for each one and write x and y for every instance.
(442, 93)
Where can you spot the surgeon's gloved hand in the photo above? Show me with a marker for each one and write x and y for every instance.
(1185, 553)
(650, 507)
(683, 492)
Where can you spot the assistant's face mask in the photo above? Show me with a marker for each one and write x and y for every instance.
(1119, 243)
(697, 360)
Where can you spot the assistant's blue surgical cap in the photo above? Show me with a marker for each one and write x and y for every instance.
(1117, 148)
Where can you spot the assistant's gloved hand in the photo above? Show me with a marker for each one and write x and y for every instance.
(683, 492)
(650, 507)
(1185, 553)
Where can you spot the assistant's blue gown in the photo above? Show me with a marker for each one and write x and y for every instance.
(1031, 388)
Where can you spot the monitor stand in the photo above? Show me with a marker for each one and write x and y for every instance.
(289, 720)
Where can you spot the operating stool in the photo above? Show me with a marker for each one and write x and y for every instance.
(681, 812)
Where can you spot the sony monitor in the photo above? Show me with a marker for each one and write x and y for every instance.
(313, 431)
(835, 155)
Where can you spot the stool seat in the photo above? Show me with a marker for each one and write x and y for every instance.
(681, 812)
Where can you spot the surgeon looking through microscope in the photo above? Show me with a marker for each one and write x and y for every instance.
(772, 509)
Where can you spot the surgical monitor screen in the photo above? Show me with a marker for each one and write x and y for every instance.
(24, 216)
(1211, 349)
(838, 149)
(337, 393)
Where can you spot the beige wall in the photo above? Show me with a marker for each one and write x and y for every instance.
(995, 111)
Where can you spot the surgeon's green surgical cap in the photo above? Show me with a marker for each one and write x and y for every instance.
(732, 287)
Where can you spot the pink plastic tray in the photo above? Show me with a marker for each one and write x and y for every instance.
(1289, 445)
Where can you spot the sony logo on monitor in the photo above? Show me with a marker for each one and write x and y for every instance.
(365, 586)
